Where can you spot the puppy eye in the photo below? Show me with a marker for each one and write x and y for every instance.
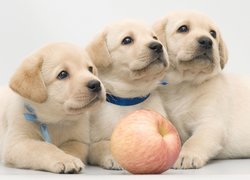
(62, 75)
(183, 29)
(155, 37)
(213, 33)
(90, 68)
(127, 40)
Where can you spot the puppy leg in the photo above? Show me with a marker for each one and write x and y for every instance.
(77, 149)
(34, 154)
(100, 154)
(203, 145)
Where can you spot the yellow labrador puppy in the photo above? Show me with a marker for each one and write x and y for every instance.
(209, 108)
(131, 62)
(44, 120)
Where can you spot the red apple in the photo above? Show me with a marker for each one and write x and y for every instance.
(144, 142)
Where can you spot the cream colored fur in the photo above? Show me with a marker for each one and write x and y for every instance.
(123, 73)
(209, 108)
(61, 104)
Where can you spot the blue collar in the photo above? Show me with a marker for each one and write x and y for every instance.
(163, 83)
(129, 101)
(30, 115)
(125, 101)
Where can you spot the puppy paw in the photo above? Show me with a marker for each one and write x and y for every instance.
(110, 163)
(188, 160)
(68, 165)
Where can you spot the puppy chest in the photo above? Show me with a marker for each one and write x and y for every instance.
(182, 116)
(104, 121)
(61, 133)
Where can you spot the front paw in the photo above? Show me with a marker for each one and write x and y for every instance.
(190, 160)
(110, 163)
(67, 165)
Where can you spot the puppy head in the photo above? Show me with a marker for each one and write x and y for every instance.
(128, 53)
(194, 44)
(61, 77)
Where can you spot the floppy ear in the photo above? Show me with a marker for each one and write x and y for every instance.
(159, 28)
(98, 51)
(223, 53)
(27, 80)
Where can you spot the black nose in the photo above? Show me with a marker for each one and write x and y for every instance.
(205, 42)
(156, 47)
(94, 86)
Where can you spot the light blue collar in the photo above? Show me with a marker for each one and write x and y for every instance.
(30, 115)
(163, 83)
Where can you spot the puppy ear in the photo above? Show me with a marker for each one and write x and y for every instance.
(223, 52)
(27, 80)
(160, 29)
(98, 51)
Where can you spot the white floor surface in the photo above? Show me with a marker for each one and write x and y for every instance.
(219, 169)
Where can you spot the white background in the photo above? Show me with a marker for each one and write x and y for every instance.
(26, 25)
